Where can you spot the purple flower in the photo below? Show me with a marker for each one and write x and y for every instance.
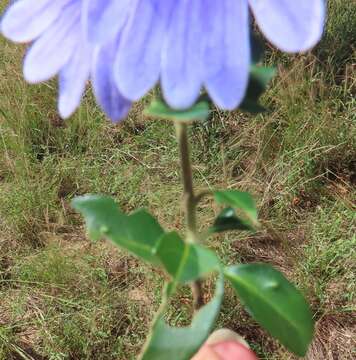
(60, 46)
(189, 44)
(127, 46)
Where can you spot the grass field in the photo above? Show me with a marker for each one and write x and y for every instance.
(62, 297)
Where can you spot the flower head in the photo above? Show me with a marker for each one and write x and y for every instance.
(60, 47)
(127, 46)
(189, 44)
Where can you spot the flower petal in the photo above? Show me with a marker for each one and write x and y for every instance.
(105, 89)
(54, 48)
(104, 19)
(290, 25)
(182, 75)
(72, 80)
(227, 54)
(25, 20)
(139, 57)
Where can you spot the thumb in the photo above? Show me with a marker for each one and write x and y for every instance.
(225, 344)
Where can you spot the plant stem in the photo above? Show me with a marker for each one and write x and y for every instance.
(189, 202)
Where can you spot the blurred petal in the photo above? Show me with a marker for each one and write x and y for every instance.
(227, 54)
(290, 25)
(25, 20)
(106, 92)
(72, 81)
(104, 19)
(53, 49)
(182, 75)
(139, 58)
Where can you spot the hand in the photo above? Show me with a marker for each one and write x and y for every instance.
(225, 344)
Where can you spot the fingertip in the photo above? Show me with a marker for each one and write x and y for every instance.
(232, 350)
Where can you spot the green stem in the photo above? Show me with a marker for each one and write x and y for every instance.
(189, 202)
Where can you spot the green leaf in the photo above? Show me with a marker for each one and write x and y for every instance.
(275, 303)
(167, 342)
(227, 220)
(185, 262)
(139, 233)
(199, 111)
(97, 211)
(238, 200)
(260, 76)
